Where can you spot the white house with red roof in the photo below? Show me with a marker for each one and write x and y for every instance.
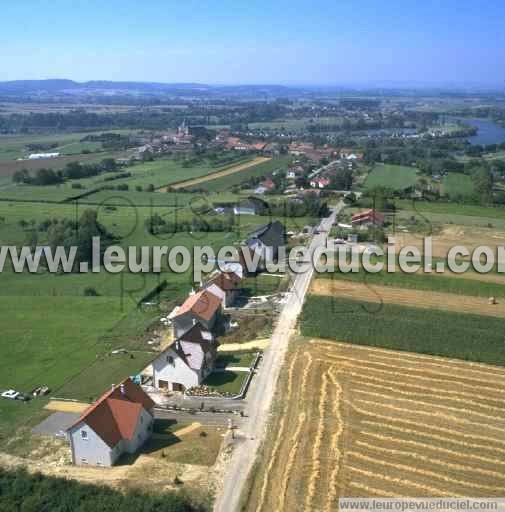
(120, 421)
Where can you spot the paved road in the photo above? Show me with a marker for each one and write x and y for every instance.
(209, 419)
(259, 399)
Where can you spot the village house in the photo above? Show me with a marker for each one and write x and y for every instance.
(367, 218)
(320, 182)
(226, 286)
(118, 422)
(187, 361)
(203, 307)
(266, 241)
(265, 186)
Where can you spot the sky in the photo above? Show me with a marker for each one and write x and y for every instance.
(319, 42)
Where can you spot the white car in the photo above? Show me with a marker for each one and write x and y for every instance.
(10, 394)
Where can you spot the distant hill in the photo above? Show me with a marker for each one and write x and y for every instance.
(98, 87)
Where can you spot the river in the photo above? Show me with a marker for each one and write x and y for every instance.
(488, 131)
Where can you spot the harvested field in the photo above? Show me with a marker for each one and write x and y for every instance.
(414, 298)
(451, 235)
(383, 423)
(220, 174)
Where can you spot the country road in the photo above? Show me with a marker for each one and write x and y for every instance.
(260, 398)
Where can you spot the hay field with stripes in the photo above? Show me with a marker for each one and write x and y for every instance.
(364, 422)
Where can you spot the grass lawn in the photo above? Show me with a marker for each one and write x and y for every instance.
(261, 284)
(456, 185)
(199, 447)
(226, 382)
(462, 336)
(397, 177)
(241, 359)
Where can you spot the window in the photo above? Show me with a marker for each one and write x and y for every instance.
(84, 434)
(84, 461)
(141, 420)
(170, 359)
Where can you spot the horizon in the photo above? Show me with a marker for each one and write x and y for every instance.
(286, 44)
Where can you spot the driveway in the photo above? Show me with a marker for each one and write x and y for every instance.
(56, 424)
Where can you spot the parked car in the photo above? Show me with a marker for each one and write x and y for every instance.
(10, 394)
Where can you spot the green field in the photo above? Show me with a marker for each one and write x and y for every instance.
(456, 185)
(227, 182)
(441, 333)
(396, 177)
(454, 213)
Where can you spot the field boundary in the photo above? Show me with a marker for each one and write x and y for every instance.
(221, 173)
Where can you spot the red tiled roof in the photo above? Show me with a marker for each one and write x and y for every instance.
(227, 281)
(368, 215)
(203, 304)
(114, 416)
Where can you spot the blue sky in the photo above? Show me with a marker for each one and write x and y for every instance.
(275, 41)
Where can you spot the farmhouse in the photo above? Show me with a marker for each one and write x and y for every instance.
(203, 307)
(225, 285)
(266, 241)
(118, 422)
(367, 218)
(320, 182)
(187, 361)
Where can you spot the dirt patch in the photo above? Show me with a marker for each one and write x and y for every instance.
(365, 422)
(449, 236)
(226, 172)
(188, 429)
(247, 345)
(63, 406)
(405, 297)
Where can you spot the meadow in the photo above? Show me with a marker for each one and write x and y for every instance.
(227, 182)
(396, 177)
(456, 185)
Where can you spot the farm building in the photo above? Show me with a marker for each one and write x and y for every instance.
(225, 285)
(118, 422)
(42, 156)
(203, 307)
(187, 361)
(367, 218)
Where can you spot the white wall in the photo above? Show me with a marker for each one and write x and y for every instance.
(177, 372)
(94, 450)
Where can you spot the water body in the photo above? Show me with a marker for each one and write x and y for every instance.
(374, 132)
(488, 131)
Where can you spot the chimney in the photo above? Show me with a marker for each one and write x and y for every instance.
(192, 292)
(112, 387)
(122, 389)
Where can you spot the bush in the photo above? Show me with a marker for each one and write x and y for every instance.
(90, 292)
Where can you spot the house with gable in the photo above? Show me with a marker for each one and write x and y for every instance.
(203, 307)
(187, 361)
(120, 421)
(225, 285)
(266, 241)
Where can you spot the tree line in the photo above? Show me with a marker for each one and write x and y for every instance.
(21, 491)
